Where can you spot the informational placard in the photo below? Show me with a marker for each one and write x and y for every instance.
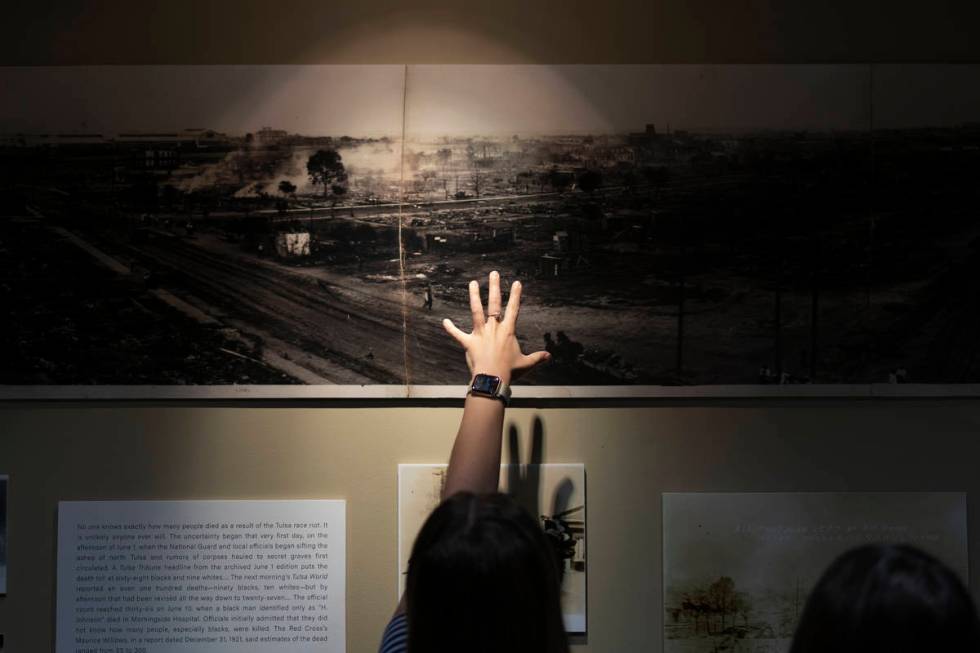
(201, 576)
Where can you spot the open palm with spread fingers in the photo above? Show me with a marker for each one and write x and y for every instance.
(492, 347)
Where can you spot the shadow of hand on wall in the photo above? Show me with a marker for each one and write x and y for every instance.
(524, 479)
(563, 493)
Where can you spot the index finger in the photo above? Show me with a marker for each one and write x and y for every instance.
(476, 307)
(513, 304)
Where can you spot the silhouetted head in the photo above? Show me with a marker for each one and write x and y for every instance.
(483, 578)
(884, 598)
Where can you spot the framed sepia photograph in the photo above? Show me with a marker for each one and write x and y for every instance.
(738, 567)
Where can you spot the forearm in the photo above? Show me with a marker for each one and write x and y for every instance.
(474, 465)
(491, 349)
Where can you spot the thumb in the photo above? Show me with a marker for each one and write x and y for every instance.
(535, 358)
(455, 332)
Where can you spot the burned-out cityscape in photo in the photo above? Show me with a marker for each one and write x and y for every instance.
(822, 232)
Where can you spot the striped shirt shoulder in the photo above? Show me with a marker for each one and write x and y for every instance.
(395, 638)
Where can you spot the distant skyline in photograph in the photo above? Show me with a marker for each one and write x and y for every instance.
(488, 100)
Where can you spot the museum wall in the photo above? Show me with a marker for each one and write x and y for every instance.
(632, 452)
(631, 457)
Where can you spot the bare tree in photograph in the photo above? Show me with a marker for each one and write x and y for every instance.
(326, 168)
(721, 594)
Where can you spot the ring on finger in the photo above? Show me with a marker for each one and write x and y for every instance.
(495, 316)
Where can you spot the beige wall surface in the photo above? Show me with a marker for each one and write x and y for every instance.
(631, 457)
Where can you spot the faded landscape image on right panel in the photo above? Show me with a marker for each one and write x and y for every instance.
(738, 567)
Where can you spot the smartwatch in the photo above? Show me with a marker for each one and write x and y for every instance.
(486, 385)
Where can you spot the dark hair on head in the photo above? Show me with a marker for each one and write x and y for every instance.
(888, 598)
(483, 578)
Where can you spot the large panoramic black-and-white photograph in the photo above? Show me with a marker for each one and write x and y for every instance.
(738, 567)
(673, 225)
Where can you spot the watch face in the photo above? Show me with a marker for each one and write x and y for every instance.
(486, 384)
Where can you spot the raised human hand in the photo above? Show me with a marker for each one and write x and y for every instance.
(492, 347)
